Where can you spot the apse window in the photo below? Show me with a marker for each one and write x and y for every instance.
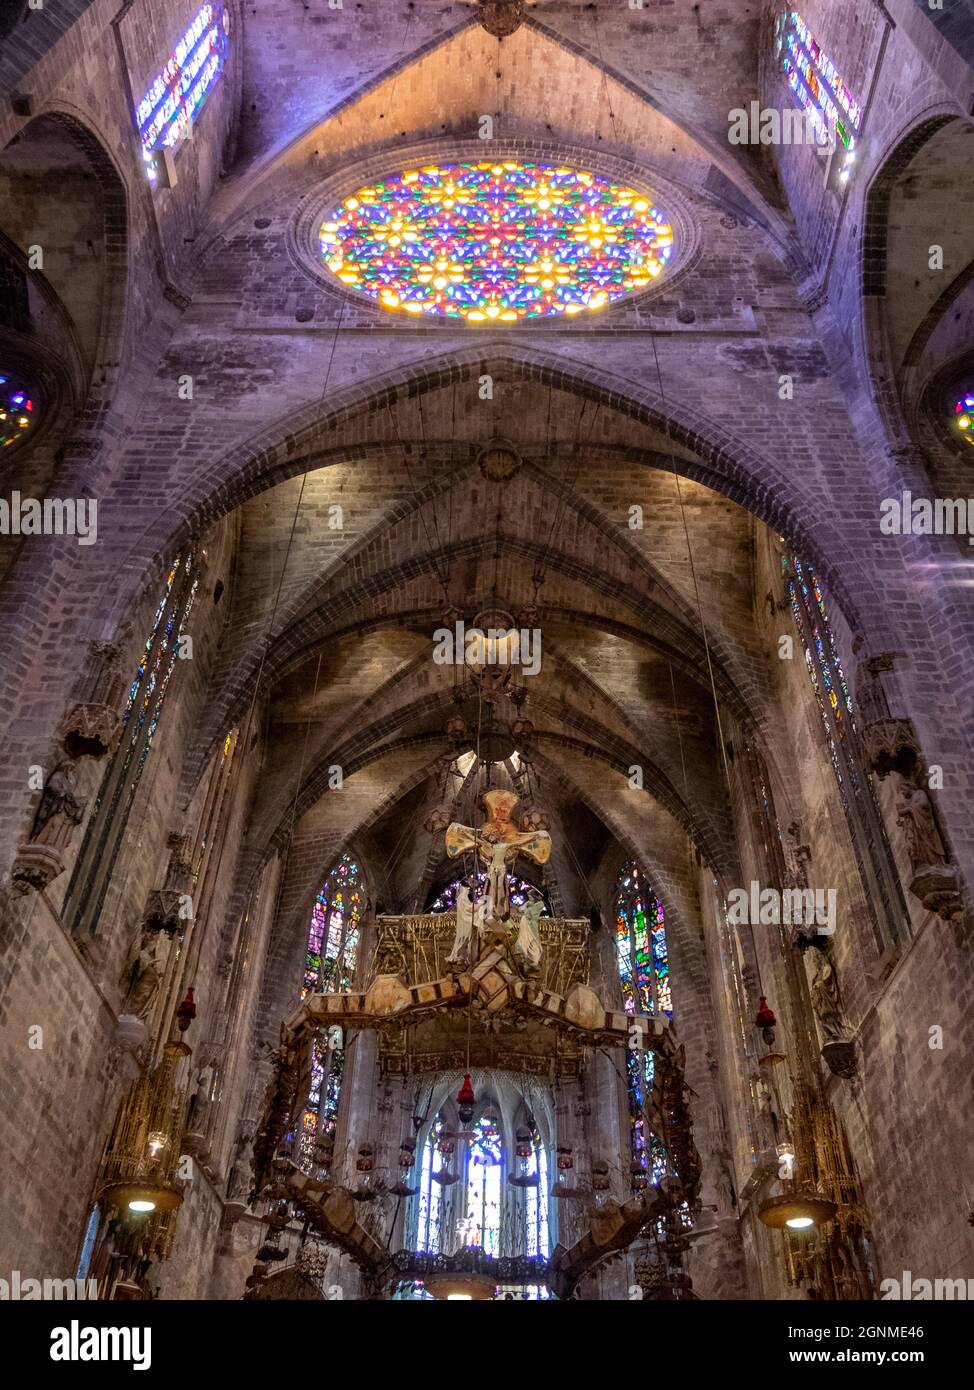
(16, 411)
(176, 94)
(496, 243)
(964, 416)
(815, 81)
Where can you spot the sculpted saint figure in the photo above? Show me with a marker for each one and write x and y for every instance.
(527, 948)
(60, 807)
(914, 815)
(470, 921)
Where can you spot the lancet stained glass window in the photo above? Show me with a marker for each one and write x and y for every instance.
(815, 81)
(964, 416)
(333, 937)
(140, 720)
(644, 970)
(16, 410)
(518, 888)
(496, 242)
(869, 842)
(176, 94)
(481, 1223)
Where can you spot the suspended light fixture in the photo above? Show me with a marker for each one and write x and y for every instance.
(466, 1100)
(797, 1211)
(765, 1020)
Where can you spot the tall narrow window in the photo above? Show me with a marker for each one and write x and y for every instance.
(815, 81)
(536, 1200)
(176, 94)
(330, 959)
(866, 830)
(140, 719)
(481, 1222)
(430, 1201)
(644, 971)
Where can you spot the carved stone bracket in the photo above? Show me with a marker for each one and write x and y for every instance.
(891, 745)
(36, 866)
(938, 886)
(90, 729)
(839, 1055)
(164, 906)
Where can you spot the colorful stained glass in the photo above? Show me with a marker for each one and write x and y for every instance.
(496, 242)
(815, 81)
(518, 888)
(964, 412)
(430, 1195)
(16, 410)
(333, 936)
(481, 1223)
(536, 1203)
(176, 94)
(644, 971)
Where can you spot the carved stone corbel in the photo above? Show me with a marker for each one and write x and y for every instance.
(165, 906)
(91, 727)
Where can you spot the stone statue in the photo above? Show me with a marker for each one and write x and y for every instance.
(238, 1181)
(527, 947)
(825, 1000)
(470, 921)
(199, 1103)
(60, 809)
(144, 971)
(914, 815)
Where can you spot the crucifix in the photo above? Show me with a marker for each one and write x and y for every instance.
(499, 842)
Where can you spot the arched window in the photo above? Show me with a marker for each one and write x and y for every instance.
(140, 719)
(536, 1226)
(330, 958)
(863, 817)
(644, 971)
(481, 1221)
(16, 410)
(964, 416)
(483, 1187)
(166, 113)
(812, 76)
(446, 899)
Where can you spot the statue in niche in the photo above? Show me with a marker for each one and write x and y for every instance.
(199, 1104)
(238, 1180)
(825, 999)
(142, 977)
(838, 1046)
(914, 815)
(470, 922)
(527, 947)
(60, 809)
